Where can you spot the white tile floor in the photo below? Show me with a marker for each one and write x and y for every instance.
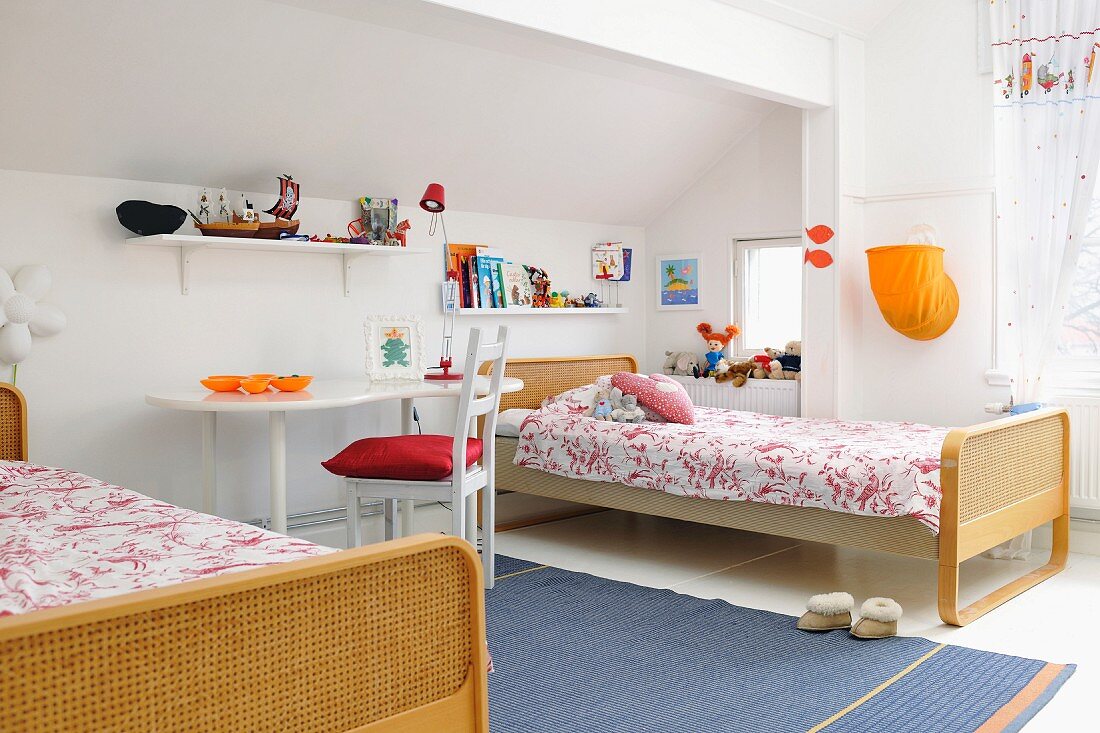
(1054, 621)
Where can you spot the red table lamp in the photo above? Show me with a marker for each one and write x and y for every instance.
(434, 202)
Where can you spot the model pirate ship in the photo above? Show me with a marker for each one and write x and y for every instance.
(244, 221)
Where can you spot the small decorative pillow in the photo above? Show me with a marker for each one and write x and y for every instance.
(579, 399)
(659, 393)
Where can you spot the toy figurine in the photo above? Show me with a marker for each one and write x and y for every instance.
(591, 301)
(557, 300)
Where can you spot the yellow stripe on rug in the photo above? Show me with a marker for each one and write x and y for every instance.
(837, 716)
(521, 572)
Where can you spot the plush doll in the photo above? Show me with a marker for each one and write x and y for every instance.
(628, 410)
(738, 373)
(716, 343)
(791, 360)
(601, 406)
(684, 363)
(765, 366)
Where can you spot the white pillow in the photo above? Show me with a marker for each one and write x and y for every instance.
(508, 422)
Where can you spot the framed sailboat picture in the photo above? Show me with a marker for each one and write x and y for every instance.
(678, 282)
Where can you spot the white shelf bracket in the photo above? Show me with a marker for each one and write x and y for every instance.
(185, 268)
(347, 273)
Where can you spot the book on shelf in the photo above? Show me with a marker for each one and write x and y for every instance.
(489, 291)
(516, 283)
(458, 262)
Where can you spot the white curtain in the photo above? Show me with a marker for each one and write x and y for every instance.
(1046, 123)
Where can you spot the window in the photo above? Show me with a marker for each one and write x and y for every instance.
(1077, 360)
(767, 276)
(1080, 337)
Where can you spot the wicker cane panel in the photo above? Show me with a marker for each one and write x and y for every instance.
(13, 424)
(332, 651)
(550, 376)
(1000, 467)
(900, 535)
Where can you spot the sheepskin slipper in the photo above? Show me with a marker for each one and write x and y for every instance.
(827, 612)
(879, 619)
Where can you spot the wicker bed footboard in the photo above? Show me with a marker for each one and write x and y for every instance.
(389, 637)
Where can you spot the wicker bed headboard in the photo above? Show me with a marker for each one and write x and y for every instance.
(548, 375)
(13, 423)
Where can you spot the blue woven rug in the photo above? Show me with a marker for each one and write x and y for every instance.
(573, 652)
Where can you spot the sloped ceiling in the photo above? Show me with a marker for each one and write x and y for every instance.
(370, 97)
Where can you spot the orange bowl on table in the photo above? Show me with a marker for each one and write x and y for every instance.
(238, 377)
(292, 383)
(268, 377)
(221, 383)
(255, 386)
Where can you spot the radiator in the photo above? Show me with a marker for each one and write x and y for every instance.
(769, 396)
(1084, 449)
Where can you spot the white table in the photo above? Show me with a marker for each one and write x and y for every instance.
(320, 395)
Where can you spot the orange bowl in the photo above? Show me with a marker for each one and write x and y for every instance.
(255, 386)
(268, 377)
(221, 384)
(291, 384)
(238, 377)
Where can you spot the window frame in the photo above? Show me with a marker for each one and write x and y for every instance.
(736, 272)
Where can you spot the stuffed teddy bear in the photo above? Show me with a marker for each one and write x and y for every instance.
(628, 410)
(791, 360)
(738, 373)
(684, 363)
(716, 343)
(601, 406)
(766, 366)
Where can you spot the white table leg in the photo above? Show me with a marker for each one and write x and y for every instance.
(210, 462)
(407, 505)
(277, 448)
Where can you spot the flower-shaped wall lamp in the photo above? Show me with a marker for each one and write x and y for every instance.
(21, 315)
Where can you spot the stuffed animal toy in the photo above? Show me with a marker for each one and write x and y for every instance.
(628, 410)
(716, 343)
(766, 366)
(738, 373)
(791, 360)
(684, 363)
(601, 406)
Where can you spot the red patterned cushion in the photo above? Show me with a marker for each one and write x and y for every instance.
(659, 393)
(407, 457)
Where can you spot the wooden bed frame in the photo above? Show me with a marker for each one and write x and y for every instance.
(387, 638)
(999, 480)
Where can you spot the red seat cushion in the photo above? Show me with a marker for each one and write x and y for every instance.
(407, 457)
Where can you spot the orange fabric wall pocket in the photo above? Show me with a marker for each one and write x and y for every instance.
(915, 295)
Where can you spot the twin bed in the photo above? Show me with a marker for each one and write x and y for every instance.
(98, 633)
(936, 494)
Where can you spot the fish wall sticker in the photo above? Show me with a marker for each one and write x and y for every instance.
(819, 258)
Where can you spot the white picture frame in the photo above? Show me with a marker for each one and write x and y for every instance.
(689, 297)
(395, 347)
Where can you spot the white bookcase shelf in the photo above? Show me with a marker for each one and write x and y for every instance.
(189, 244)
(539, 311)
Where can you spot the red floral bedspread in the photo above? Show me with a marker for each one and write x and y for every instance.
(873, 468)
(67, 537)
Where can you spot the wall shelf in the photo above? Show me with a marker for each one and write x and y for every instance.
(189, 244)
(539, 311)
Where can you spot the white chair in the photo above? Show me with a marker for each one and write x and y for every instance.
(461, 487)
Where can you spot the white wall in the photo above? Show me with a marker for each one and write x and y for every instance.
(755, 187)
(131, 331)
(929, 160)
